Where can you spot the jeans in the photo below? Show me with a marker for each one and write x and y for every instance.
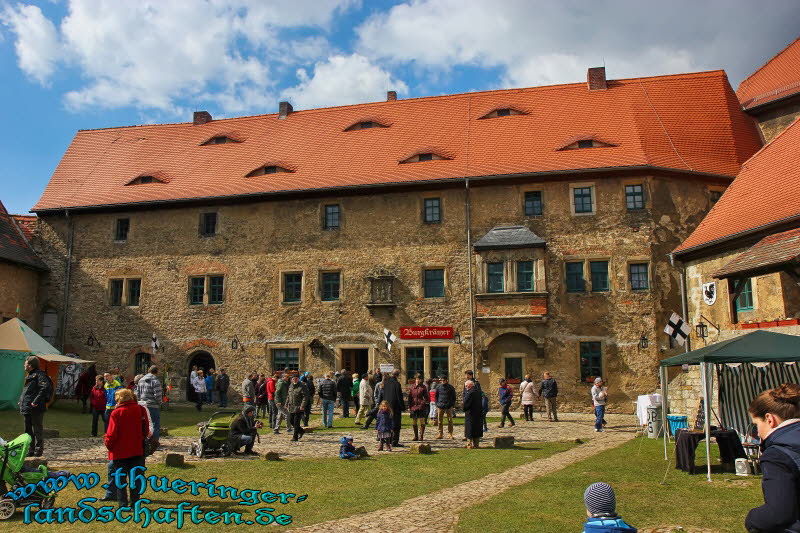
(528, 410)
(345, 408)
(295, 419)
(599, 413)
(199, 397)
(210, 396)
(246, 441)
(273, 411)
(120, 494)
(506, 414)
(449, 414)
(327, 413)
(155, 416)
(34, 426)
(223, 398)
(97, 414)
(261, 408)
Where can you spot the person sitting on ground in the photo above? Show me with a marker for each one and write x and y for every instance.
(776, 414)
(244, 431)
(601, 508)
(346, 448)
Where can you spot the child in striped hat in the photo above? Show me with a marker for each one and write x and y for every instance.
(601, 508)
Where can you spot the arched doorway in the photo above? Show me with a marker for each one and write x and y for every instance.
(510, 355)
(203, 361)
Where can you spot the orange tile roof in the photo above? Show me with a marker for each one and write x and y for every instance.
(770, 253)
(777, 78)
(686, 121)
(14, 246)
(766, 191)
(26, 224)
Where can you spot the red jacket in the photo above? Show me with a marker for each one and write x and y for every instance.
(270, 389)
(126, 431)
(98, 398)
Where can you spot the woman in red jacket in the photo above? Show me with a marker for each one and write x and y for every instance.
(127, 428)
(97, 401)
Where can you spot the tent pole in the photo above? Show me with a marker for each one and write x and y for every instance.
(707, 409)
(664, 407)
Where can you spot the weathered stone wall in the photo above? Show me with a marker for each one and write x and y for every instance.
(19, 286)
(773, 122)
(259, 241)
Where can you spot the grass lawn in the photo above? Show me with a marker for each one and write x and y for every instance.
(66, 417)
(646, 498)
(335, 488)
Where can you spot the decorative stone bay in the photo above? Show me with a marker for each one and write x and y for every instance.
(504, 442)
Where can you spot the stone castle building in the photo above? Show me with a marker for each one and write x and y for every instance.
(509, 231)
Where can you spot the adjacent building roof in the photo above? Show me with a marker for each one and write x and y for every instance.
(771, 253)
(14, 245)
(689, 122)
(507, 237)
(778, 78)
(766, 192)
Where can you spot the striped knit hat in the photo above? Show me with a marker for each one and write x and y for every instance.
(600, 500)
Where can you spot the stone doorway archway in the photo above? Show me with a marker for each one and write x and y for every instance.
(510, 356)
(203, 361)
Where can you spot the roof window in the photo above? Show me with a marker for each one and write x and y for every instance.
(146, 178)
(584, 141)
(503, 112)
(424, 156)
(268, 169)
(222, 138)
(366, 125)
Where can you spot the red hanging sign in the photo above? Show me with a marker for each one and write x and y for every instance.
(426, 333)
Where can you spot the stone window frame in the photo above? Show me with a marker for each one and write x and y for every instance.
(202, 224)
(713, 189)
(646, 196)
(337, 354)
(425, 198)
(299, 346)
(428, 367)
(282, 282)
(637, 260)
(586, 282)
(445, 281)
(206, 289)
(115, 230)
(324, 216)
(124, 296)
(513, 355)
(603, 347)
(532, 188)
(582, 185)
(320, 286)
(609, 273)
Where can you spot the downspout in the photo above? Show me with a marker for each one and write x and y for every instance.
(67, 276)
(469, 273)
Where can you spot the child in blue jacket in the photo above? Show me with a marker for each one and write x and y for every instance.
(346, 448)
(601, 508)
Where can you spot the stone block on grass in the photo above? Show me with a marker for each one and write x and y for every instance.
(272, 456)
(173, 459)
(362, 452)
(50, 433)
(420, 448)
(504, 442)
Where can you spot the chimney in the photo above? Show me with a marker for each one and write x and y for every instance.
(284, 109)
(391, 96)
(596, 79)
(201, 117)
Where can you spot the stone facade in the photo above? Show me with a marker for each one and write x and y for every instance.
(382, 232)
(774, 119)
(19, 286)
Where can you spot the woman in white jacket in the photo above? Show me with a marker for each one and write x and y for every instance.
(527, 394)
(365, 399)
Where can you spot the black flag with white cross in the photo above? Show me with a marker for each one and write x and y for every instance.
(154, 343)
(677, 328)
(390, 339)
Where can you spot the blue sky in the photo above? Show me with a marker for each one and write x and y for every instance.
(81, 64)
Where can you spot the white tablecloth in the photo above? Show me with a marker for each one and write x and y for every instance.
(643, 402)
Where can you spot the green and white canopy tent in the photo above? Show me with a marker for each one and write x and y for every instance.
(17, 342)
(776, 353)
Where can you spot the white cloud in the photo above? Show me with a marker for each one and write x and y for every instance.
(37, 44)
(554, 42)
(156, 55)
(342, 80)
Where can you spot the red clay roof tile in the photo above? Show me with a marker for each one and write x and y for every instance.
(777, 78)
(771, 251)
(686, 121)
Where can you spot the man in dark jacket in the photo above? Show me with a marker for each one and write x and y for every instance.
(470, 376)
(393, 393)
(445, 401)
(549, 390)
(36, 392)
(473, 415)
(296, 404)
(222, 385)
(327, 393)
(780, 466)
(505, 395)
(244, 431)
(344, 386)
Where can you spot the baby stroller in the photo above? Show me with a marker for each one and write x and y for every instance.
(214, 435)
(14, 474)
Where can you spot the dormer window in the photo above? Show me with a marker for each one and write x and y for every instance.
(144, 179)
(503, 112)
(424, 156)
(222, 138)
(585, 144)
(578, 143)
(268, 169)
(366, 125)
